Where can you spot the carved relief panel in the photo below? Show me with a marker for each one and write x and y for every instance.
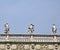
(37, 47)
(13, 47)
(2, 47)
(26, 47)
(51, 47)
(29, 47)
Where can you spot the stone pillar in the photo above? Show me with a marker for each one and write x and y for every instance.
(55, 38)
(7, 36)
(31, 37)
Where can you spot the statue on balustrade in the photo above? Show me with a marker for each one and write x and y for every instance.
(54, 29)
(31, 28)
(6, 28)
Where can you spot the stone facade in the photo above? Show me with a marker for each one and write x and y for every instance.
(29, 42)
(29, 47)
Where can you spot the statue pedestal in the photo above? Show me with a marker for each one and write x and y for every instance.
(55, 38)
(7, 38)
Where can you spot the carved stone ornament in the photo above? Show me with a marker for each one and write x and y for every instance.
(32, 46)
(37, 47)
(50, 47)
(2, 46)
(13, 46)
(26, 47)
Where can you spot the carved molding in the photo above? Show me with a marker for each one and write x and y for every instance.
(29, 46)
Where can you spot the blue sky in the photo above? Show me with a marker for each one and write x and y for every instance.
(20, 13)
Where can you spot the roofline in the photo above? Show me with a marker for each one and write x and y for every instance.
(43, 35)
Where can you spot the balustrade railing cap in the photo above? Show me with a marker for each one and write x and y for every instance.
(49, 35)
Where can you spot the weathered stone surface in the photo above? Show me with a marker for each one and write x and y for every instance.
(2, 46)
(26, 47)
(29, 42)
(13, 46)
(37, 47)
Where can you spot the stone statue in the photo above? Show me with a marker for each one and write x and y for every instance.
(54, 29)
(6, 28)
(31, 28)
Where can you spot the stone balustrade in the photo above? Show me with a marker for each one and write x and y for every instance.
(29, 42)
(27, 38)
